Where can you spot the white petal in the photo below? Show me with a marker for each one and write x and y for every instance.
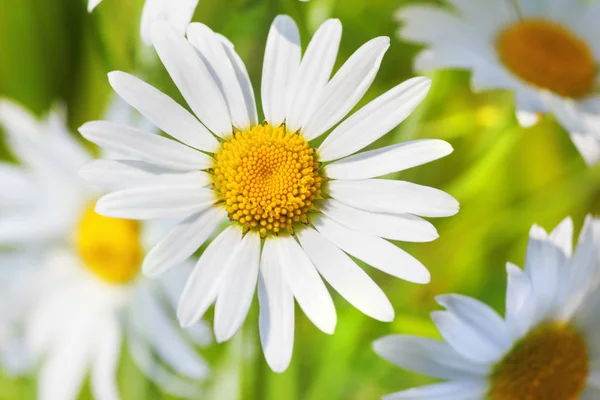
(125, 174)
(429, 357)
(193, 78)
(182, 241)
(106, 361)
(306, 284)
(377, 252)
(23, 186)
(212, 51)
(162, 111)
(347, 278)
(236, 292)
(468, 340)
(177, 13)
(92, 4)
(562, 236)
(202, 287)
(398, 157)
(347, 87)
(457, 390)
(374, 120)
(243, 78)
(313, 74)
(520, 302)
(276, 310)
(396, 197)
(282, 59)
(478, 316)
(405, 227)
(527, 119)
(147, 146)
(152, 202)
(152, 321)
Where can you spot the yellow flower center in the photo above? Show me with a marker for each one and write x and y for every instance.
(267, 179)
(109, 247)
(550, 363)
(548, 56)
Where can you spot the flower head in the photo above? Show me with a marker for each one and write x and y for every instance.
(544, 348)
(292, 211)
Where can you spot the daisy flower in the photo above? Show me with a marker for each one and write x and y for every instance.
(293, 211)
(546, 347)
(546, 51)
(178, 13)
(80, 289)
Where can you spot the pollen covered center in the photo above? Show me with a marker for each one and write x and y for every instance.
(109, 247)
(548, 56)
(267, 179)
(550, 363)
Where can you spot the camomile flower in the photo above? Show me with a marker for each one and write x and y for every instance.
(546, 51)
(294, 211)
(546, 347)
(178, 13)
(79, 292)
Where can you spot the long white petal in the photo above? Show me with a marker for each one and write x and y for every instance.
(182, 241)
(162, 111)
(346, 87)
(391, 196)
(212, 51)
(347, 278)
(376, 252)
(153, 202)
(106, 361)
(398, 157)
(203, 284)
(282, 59)
(313, 74)
(239, 284)
(93, 4)
(177, 13)
(147, 146)
(192, 77)
(427, 356)
(276, 318)
(520, 302)
(456, 390)
(404, 227)
(375, 119)
(306, 284)
(124, 174)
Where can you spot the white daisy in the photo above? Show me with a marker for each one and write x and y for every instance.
(292, 210)
(547, 51)
(178, 13)
(82, 292)
(546, 347)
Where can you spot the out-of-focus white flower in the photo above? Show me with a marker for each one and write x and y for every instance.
(546, 51)
(178, 13)
(547, 345)
(79, 291)
(309, 205)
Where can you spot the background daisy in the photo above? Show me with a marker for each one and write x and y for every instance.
(80, 292)
(546, 51)
(311, 206)
(545, 347)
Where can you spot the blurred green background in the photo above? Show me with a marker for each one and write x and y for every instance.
(505, 177)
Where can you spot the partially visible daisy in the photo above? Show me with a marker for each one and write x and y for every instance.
(547, 345)
(82, 292)
(294, 211)
(544, 50)
(178, 13)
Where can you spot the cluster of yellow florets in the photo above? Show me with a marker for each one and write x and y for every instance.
(267, 178)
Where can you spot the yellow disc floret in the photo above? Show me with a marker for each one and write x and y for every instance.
(551, 362)
(267, 179)
(548, 56)
(109, 247)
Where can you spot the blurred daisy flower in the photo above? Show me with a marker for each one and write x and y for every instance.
(178, 13)
(79, 289)
(547, 345)
(294, 211)
(547, 51)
